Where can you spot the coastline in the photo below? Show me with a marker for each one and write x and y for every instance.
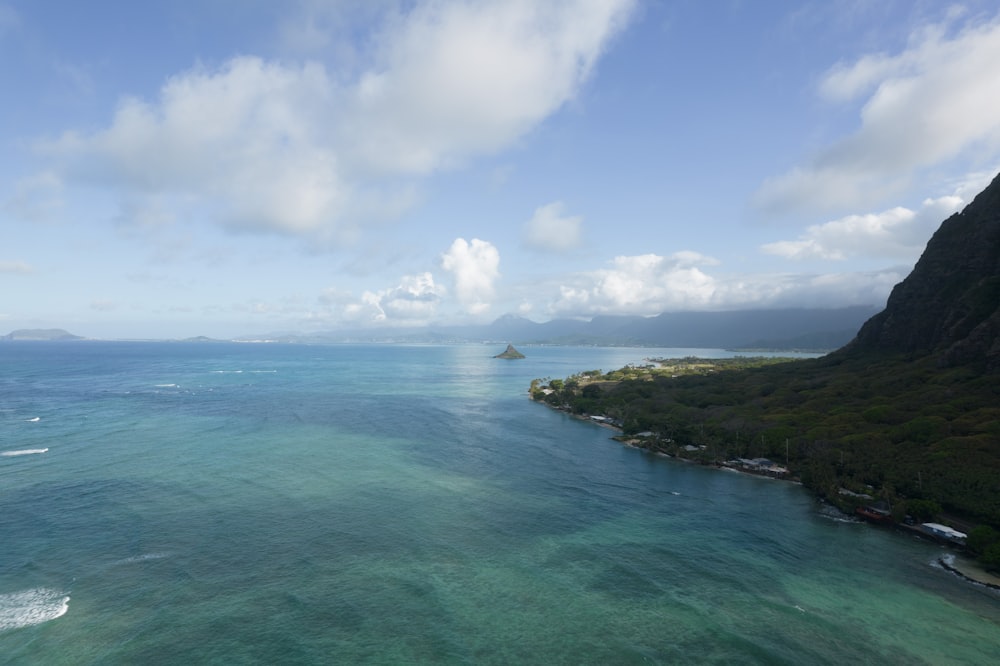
(969, 570)
(954, 563)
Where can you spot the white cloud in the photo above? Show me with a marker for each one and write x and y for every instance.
(248, 139)
(898, 233)
(807, 290)
(550, 229)
(651, 284)
(644, 284)
(934, 101)
(455, 78)
(300, 149)
(475, 268)
(413, 301)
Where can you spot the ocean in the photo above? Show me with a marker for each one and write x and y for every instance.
(221, 503)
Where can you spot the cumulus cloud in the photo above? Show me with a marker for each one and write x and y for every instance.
(898, 233)
(644, 284)
(300, 149)
(550, 229)
(475, 269)
(457, 78)
(414, 300)
(928, 104)
(247, 139)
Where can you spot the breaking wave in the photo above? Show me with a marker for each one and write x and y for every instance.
(142, 558)
(28, 607)
(836, 515)
(22, 452)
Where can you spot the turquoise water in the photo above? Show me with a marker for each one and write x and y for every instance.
(271, 504)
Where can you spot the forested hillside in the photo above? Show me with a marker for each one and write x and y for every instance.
(908, 412)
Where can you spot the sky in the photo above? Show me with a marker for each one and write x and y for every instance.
(174, 168)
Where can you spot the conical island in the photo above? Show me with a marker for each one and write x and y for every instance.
(510, 352)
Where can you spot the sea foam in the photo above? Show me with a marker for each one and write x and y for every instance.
(22, 452)
(28, 607)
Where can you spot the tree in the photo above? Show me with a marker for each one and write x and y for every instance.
(923, 510)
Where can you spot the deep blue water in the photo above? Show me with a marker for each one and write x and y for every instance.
(271, 504)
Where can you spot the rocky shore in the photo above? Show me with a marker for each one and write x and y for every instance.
(969, 570)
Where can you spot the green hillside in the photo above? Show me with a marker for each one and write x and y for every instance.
(907, 413)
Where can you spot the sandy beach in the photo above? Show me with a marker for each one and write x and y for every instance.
(970, 570)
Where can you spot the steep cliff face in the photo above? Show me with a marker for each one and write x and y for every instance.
(949, 305)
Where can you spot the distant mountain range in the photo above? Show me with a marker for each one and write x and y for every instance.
(787, 329)
(804, 329)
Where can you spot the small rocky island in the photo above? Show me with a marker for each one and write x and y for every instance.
(510, 352)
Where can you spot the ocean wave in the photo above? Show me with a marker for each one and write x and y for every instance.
(22, 452)
(166, 385)
(836, 515)
(142, 558)
(240, 372)
(28, 607)
(34, 420)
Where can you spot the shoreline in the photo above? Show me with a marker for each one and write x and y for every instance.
(954, 563)
(969, 570)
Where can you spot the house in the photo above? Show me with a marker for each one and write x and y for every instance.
(944, 532)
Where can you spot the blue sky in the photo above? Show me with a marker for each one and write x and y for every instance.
(238, 167)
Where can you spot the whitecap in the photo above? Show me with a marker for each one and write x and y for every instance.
(945, 562)
(34, 420)
(836, 515)
(142, 558)
(166, 385)
(22, 452)
(28, 607)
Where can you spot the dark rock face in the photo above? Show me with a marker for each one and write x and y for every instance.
(950, 303)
